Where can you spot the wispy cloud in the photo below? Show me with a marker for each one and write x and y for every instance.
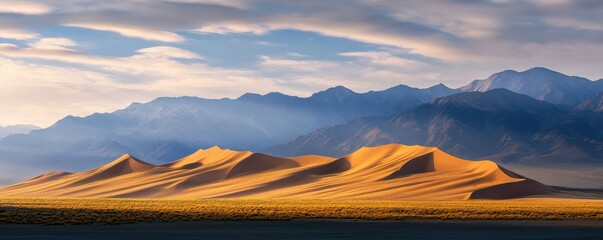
(381, 58)
(24, 7)
(17, 34)
(137, 32)
(53, 43)
(109, 83)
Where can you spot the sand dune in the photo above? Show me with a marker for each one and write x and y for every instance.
(385, 172)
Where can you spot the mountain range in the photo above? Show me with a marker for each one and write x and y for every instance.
(544, 117)
(168, 128)
(389, 172)
(499, 124)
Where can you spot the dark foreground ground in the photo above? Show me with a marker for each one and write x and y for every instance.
(314, 229)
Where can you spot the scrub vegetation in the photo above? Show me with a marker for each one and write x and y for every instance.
(119, 211)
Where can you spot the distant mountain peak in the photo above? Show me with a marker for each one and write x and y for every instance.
(337, 90)
(494, 97)
(338, 93)
(439, 85)
(531, 71)
(275, 94)
(508, 71)
(271, 96)
(249, 95)
(171, 99)
(540, 69)
(539, 83)
(401, 87)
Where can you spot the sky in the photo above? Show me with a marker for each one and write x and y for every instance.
(77, 57)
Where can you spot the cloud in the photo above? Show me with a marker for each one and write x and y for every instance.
(91, 83)
(446, 30)
(128, 31)
(362, 73)
(381, 58)
(442, 29)
(80, 84)
(23, 7)
(168, 52)
(574, 23)
(380, 30)
(17, 34)
(233, 28)
(51, 92)
(53, 43)
(293, 65)
(242, 4)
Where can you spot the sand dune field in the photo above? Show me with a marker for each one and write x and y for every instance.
(388, 172)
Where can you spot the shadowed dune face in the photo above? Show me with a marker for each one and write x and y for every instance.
(418, 165)
(257, 162)
(512, 190)
(385, 172)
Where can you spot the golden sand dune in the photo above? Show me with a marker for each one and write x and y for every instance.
(385, 172)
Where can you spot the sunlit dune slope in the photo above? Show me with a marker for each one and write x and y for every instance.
(385, 172)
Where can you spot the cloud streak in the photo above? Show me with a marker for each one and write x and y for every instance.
(137, 32)
(24, 7)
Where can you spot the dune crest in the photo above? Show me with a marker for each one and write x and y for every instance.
(387, 172)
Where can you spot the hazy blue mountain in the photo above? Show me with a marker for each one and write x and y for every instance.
(542, 84)
(590, 113)
(594, 103)
(498, 124)
(167, 128)
(599, 84)
(16, 129)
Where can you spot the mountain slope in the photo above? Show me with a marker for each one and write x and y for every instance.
(599, 84)
(588, 117)
(540, 83)
(168, 128)
(16, 129)
(389, 172)
(594, 103)
(498, 124)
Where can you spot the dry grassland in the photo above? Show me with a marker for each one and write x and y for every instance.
(117, 211)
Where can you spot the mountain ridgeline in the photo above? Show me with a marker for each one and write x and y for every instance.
(542, 84)
(168, 128)
(16, 129)
(537, 116)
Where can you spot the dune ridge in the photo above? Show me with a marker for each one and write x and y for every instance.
(387, 172)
